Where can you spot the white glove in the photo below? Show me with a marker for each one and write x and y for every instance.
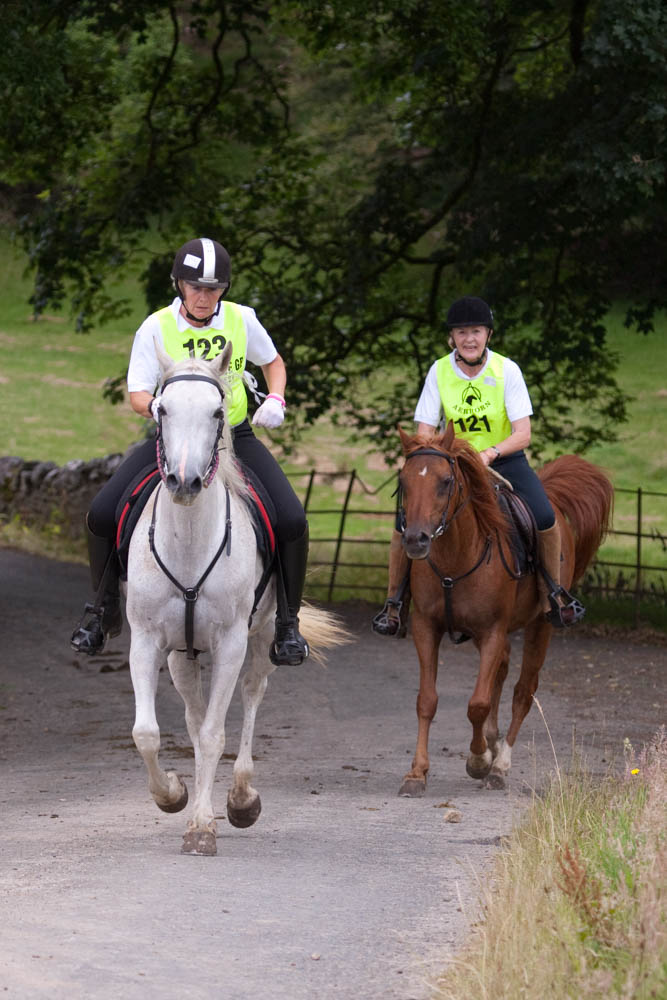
(152, 407)
(271, 413)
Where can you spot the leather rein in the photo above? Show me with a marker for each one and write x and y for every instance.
(447, 582)
(190, 594)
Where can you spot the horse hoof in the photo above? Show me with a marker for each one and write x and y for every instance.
(180, 803)
(412, 788)
(496, 781)
(201, 842)
(246, 816)
(479, 765)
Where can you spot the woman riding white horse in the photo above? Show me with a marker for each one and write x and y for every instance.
(198, 323)
(193, 574)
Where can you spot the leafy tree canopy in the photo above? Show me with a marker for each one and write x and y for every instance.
(365, 162)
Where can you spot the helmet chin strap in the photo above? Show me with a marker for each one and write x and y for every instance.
(473, 364)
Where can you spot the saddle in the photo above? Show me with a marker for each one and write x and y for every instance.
(523, 530)
(140, 489)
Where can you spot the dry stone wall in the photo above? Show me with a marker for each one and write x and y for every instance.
(43, 493)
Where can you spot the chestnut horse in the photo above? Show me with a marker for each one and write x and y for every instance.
(460, 580)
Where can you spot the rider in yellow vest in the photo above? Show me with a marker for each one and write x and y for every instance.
(485, 396)
(198, 323)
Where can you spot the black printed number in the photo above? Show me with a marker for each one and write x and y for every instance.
(204, 346)
(472, 424)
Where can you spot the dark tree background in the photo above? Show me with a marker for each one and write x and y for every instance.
(365, 162)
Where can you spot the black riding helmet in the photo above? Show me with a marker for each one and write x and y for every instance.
(470, 311)
(202, 262)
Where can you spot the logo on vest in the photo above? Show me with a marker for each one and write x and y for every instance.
(471, 395)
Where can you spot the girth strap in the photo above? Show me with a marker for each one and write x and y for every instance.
(190, 594)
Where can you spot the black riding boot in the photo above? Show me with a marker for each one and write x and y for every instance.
(289, 648)
(103, 619)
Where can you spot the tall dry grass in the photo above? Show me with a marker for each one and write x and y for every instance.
(576, 905)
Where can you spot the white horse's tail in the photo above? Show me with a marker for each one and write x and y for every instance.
(322, 630)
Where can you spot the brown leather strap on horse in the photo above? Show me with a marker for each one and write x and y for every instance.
(447, 583)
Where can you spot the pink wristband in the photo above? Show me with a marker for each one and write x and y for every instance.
(274, 395)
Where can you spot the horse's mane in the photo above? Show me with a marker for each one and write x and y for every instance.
(474, 474)
(228, 469)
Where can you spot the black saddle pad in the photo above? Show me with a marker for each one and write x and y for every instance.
(129, 509)
(137, 494)
(523, 529)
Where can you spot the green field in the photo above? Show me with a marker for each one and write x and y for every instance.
(52, 408)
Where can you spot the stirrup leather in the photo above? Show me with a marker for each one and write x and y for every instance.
(566, 611)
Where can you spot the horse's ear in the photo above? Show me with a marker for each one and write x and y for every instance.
(165, 361)
(448, 436)
(220, 363)
(405, 439)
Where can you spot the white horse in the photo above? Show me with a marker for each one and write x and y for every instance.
(193, 567)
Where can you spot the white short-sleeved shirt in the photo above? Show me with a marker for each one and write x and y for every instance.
(143, 373)
(517, 401)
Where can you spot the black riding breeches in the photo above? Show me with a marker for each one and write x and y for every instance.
(528, 486)
(290, 515)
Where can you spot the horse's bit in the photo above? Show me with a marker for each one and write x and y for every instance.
(190, 594)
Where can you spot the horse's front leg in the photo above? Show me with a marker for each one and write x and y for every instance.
(243, 802)
(427, 634)
(492, 656)
(226, 661)
(167, 788)
(186, 675)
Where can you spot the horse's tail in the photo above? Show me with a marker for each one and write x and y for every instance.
(584, 494)
(322, 630)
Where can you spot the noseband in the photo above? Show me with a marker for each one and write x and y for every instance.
(445, 521)
(161, 455)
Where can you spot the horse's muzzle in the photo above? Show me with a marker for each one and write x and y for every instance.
(417, 544)
(184, 492)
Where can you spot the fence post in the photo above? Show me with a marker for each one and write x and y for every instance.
(341, 531)
(638, 577)
(309, 490)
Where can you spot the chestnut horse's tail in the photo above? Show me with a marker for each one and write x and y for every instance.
(583, 493)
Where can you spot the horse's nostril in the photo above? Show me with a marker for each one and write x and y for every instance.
(172, 482)
(196, 485)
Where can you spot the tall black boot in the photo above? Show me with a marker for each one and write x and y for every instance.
(102, 619)
(289, 648)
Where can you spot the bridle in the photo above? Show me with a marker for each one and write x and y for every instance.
(212, 467)
(447, 582)
(445, 520)
(190, 594)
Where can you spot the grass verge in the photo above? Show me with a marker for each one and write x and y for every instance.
(576, 906)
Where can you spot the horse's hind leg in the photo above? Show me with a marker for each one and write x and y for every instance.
(493, 655)
(491, 725)
(166, 787)
(536, 641)
(243, 802)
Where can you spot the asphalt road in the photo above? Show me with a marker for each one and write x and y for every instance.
(341, 890)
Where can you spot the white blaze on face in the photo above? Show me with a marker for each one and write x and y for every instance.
(423, 472)
(183, 460)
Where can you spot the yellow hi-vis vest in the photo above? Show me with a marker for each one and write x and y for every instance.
(476, 406)
(180, 344)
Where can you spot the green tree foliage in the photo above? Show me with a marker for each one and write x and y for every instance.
(365, 163)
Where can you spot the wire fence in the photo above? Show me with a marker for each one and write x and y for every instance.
(351, 525)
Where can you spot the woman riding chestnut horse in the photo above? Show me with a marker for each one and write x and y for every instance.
(485, 397)
(198, 323)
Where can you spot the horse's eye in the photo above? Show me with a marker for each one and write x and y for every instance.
(219, 413)
(443, 486)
